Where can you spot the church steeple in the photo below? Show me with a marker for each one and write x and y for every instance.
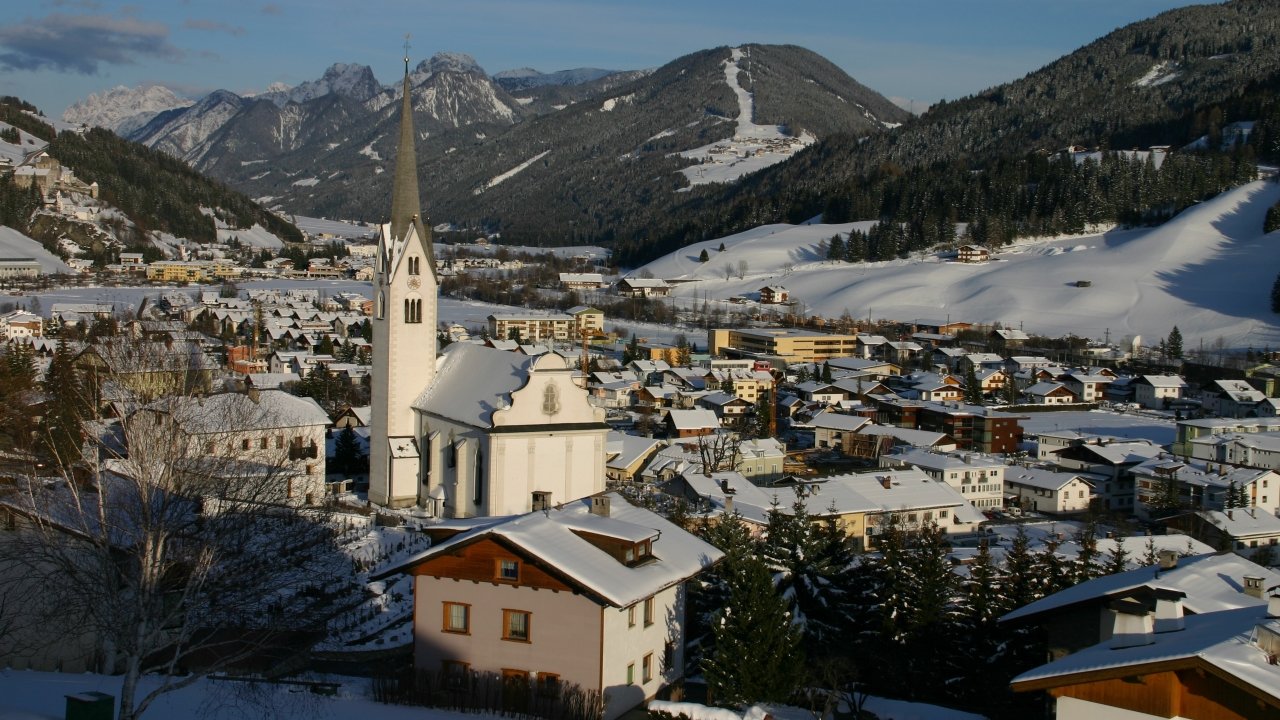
(406, 208)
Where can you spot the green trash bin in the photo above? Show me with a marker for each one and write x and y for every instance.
(91, 705)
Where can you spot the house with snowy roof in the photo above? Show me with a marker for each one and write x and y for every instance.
(1156, 391)
(1159, 650)
(1244, 530)
(978, 478)
(860, 504)
(1112, 463)
(1231, 398)
(1048, 491)
(588, 593)
(1202, 485)
(1050, 393)
(1256, 450)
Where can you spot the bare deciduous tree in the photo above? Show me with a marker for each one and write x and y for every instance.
(154, 556)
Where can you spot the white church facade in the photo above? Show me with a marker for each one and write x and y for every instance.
(471, 431)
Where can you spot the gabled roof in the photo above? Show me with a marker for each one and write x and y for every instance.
(552, 537)
(693, 419)
(837, 421)
(1220, 642)
(1041, 478)
(1211, 582)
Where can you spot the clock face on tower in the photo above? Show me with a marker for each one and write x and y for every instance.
(414, 283)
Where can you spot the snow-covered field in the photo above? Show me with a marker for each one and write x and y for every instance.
(256, 236)
(337, 228)
(1209, 271)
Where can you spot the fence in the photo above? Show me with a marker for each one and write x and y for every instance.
(490, 693)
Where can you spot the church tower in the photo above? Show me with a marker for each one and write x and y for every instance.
(404, 327)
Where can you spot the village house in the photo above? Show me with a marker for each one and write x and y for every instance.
(860, 504)
(774, 295)
(1201, 485)
(978, 478)
(1189, 430)
(1047, 491)
(1231, 398)
(1112, 462)
(1050, 393)
(1156, 391)
(1089, 388)
(1174, 646)
(830, 429)
(643, 287)
(732, 410)
(20, 324)
(973, 254)
(589, 593)
(1244, 531)
(690, 423)
(1255, 450)
(581, 281)
(626, 455)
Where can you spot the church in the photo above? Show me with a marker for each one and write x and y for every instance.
(469, 431)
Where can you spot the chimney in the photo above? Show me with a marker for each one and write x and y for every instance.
(1168, 559)
(885, 481)
(728, 503)
(1273, 605)
(1133, 626)
(600, 505)
(1253, 586)
(1169, 614)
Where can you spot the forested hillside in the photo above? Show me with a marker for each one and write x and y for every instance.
(158, 192)
(1169, 80)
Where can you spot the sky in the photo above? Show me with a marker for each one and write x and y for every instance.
(55, 52)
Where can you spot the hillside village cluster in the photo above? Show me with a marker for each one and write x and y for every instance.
(550, 486)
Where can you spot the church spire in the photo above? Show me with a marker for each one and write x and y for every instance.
(406, 210)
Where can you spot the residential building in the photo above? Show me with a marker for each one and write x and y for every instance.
(978, 478)
(643, 287)
(1050, 393)
(588, 321)
(774, 295)
(20, 324)
(1189, 430)
(1112, 463)
(1156, 391)
(1244, 531)
(1048, 491)
(1201, 485)
(973, 254)
(789, 345)
(860, 504)
(581, 281)
(1231, 398)
(533, 328)
(1255, 450)
(1159, 657)
(587, 593)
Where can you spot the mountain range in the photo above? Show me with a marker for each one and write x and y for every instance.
(606, 142)
(709, 144)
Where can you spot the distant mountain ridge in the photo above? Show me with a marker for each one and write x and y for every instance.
(525, 78)
(124, 109)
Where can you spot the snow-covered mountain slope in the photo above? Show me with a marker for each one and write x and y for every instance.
(753, 147)
(123, 109)
(14, 244)
(16, 152)
(1209, 271)
(178, 132)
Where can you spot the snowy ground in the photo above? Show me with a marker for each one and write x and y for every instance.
(753, 147)
(1209, 271)
(42, 696)
(1138, 426)
(255, 237)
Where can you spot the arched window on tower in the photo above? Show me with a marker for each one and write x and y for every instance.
(413, 310)
(414, 265)
(382, 306)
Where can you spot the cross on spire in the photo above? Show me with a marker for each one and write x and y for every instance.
(406, 53)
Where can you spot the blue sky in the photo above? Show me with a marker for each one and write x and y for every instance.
(54, 52)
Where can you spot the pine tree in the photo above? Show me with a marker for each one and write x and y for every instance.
(1117, 559)
(67, 409)
(826, 372)
(972, 390)
(1173, 344)
(764, 416)
(1022, 586)
(1150, 556)
(835, 248)
(1010, 390)
(811, 562)
(755, 654)
(703, 256)
(347, 458)
(1086, 563)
